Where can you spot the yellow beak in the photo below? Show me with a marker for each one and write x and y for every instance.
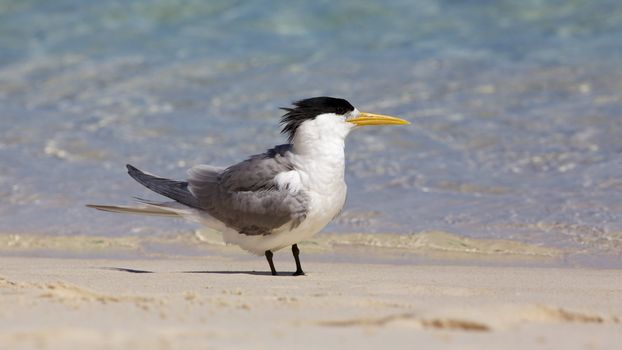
(377, 119)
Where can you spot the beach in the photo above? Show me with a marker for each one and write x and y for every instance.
(493, 221)
(228, 300)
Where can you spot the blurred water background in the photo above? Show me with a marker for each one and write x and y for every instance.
(516, 109)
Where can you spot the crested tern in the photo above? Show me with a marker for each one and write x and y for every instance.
(274, 199)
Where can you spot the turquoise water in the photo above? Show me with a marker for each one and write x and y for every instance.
(516, 109)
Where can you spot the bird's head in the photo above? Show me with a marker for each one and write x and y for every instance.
(329, 115)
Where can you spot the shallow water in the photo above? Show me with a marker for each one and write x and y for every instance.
(516, 109)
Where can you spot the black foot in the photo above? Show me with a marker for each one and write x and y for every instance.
(269, 258)
(296, 253)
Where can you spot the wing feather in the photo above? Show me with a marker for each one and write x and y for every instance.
(246, 197)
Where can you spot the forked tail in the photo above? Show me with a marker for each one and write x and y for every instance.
(176, 190)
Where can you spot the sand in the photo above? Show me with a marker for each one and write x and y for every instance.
(221, 302)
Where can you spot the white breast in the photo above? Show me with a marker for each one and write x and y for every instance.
(319, 161)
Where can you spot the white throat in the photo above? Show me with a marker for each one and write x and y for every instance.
(318, 148)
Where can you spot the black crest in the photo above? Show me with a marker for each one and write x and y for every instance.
(310, 108)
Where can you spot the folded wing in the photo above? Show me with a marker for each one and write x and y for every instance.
(246, 197)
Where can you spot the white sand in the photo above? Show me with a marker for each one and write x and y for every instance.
(82, 304)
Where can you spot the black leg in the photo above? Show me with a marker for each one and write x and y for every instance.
(296, 252)
(269, 257)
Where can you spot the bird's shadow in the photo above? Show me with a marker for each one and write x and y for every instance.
(123, 269)
(221, 272)
(215, 272)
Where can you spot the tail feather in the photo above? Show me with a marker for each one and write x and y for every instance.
(146, 210)
(176, 190)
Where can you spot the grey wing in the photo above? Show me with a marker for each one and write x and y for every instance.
(245, 196)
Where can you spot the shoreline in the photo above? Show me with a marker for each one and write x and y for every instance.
(425, 248)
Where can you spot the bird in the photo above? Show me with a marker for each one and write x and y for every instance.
(274, 199)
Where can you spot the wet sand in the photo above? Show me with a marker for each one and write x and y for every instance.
(229, 301)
